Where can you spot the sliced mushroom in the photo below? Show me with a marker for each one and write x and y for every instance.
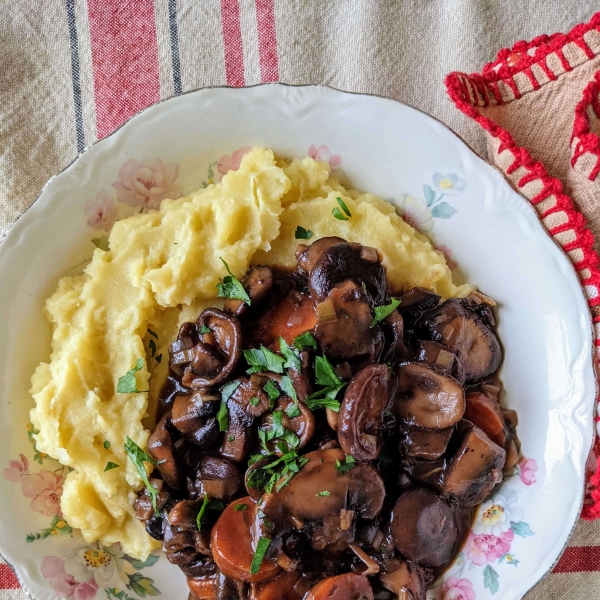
(217, 478)
(205, 371)
(424, 527)
(180, 350)
(408, 581)
(416, 301)
(424, 444)
(360, 489)
(427, 398)
(348, 586)
(144, 509)
(361, 414)
(194, 416)
(441, 358)
(470, 473)
(303, 425)
(238, 439)
(162, 449)
(344, 262)
(282, 587)
(232, 544)
(466, 334)
(257, 282)
(288, 317)
(393, 329)
(216, 586)
(169, 392)
(308, 256)
(344, 330)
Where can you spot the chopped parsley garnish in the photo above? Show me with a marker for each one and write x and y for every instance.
(303, 234)
(110, 466)
(152, 333)
(152, 346)
(223, 414)
(158, 358)
(323, 493)
(200, 517)
(263, 359)
(128, 384)
(209, 504)
(204, 329)
(231, 438)
(381, 312)
(271, 390)
(338, 214)
(344, 467)
(305, 340)
(385, 459)
(138, 457)
(331, 386)
(254, 401)
(240, 506)
(259, 555)
(106, 444)
(292, 361)
(231, 287)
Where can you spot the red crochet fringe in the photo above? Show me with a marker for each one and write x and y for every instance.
(515, 72)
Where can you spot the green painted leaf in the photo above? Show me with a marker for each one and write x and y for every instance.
(138, 565)
(490, 579)
(521, 529)
(429, 194)
(443, 210)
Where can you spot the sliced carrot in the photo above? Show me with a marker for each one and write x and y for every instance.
(485, 413)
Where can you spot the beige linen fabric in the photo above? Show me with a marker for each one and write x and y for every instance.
(397, 48)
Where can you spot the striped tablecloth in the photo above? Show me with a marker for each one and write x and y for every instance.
(72, 71)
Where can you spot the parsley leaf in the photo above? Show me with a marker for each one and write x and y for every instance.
(338, 214)
(314, 403)
(200, 517)
(209, 504)
(106, 444)
(344, 467)
(323, 493)
(324, 372)
(259, 555)
(254, 401)
(152, 333)
(240, 506)
(204, 329)
(231, 287)
(223, 415)
(287, 387)
(381, 312)
(291, 358)
(128, 384)
(110, 466)
(138, 457)
(263, 360)
(305, 340)
(271, 390)
(303, 234)
(332, 384)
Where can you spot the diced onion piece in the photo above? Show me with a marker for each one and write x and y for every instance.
(369, 254)
(185, 343)
(444, 358)
(492, 387)
(286, 563)
(447, 333)
(346, 518)
(378, 539)
(372, 566)
(298, 523)
(208, 397)
(480, 298)
(326, 311)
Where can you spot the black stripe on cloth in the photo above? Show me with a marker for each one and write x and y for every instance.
(174, 46)
(75, 75)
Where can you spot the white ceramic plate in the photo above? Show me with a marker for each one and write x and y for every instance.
(373, 144)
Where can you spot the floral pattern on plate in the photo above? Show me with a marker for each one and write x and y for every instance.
(75, 569)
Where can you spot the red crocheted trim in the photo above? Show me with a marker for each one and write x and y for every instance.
(585, 140)
(471, 91)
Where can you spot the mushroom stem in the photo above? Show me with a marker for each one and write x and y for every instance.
(346, 518)
(372, 566)
(286, 563)
(298, 523)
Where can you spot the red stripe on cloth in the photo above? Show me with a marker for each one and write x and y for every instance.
(232, 42)
(267, 41)
(8, 580)
(579, 558)
(124, 60)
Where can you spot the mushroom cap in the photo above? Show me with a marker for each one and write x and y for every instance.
(348, 586)
(427, 398)
(162, 449)
(308, 256)
(424, 527)
(361, 413)
(217, 477)
(424, 444)
(233, 547)
(257, 282)
(342, 262)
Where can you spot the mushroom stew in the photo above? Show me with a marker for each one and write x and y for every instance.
(324, 437)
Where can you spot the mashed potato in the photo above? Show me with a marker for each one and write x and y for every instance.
(162, 269)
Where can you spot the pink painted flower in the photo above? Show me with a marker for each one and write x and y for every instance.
(322, 154)
(45, 488)
(233, 162)
(63, 584)
(147, 183)
(456, 589)
(528, 470)
(100, 212)
(448, 256)
(16, 468)
(485, 548)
